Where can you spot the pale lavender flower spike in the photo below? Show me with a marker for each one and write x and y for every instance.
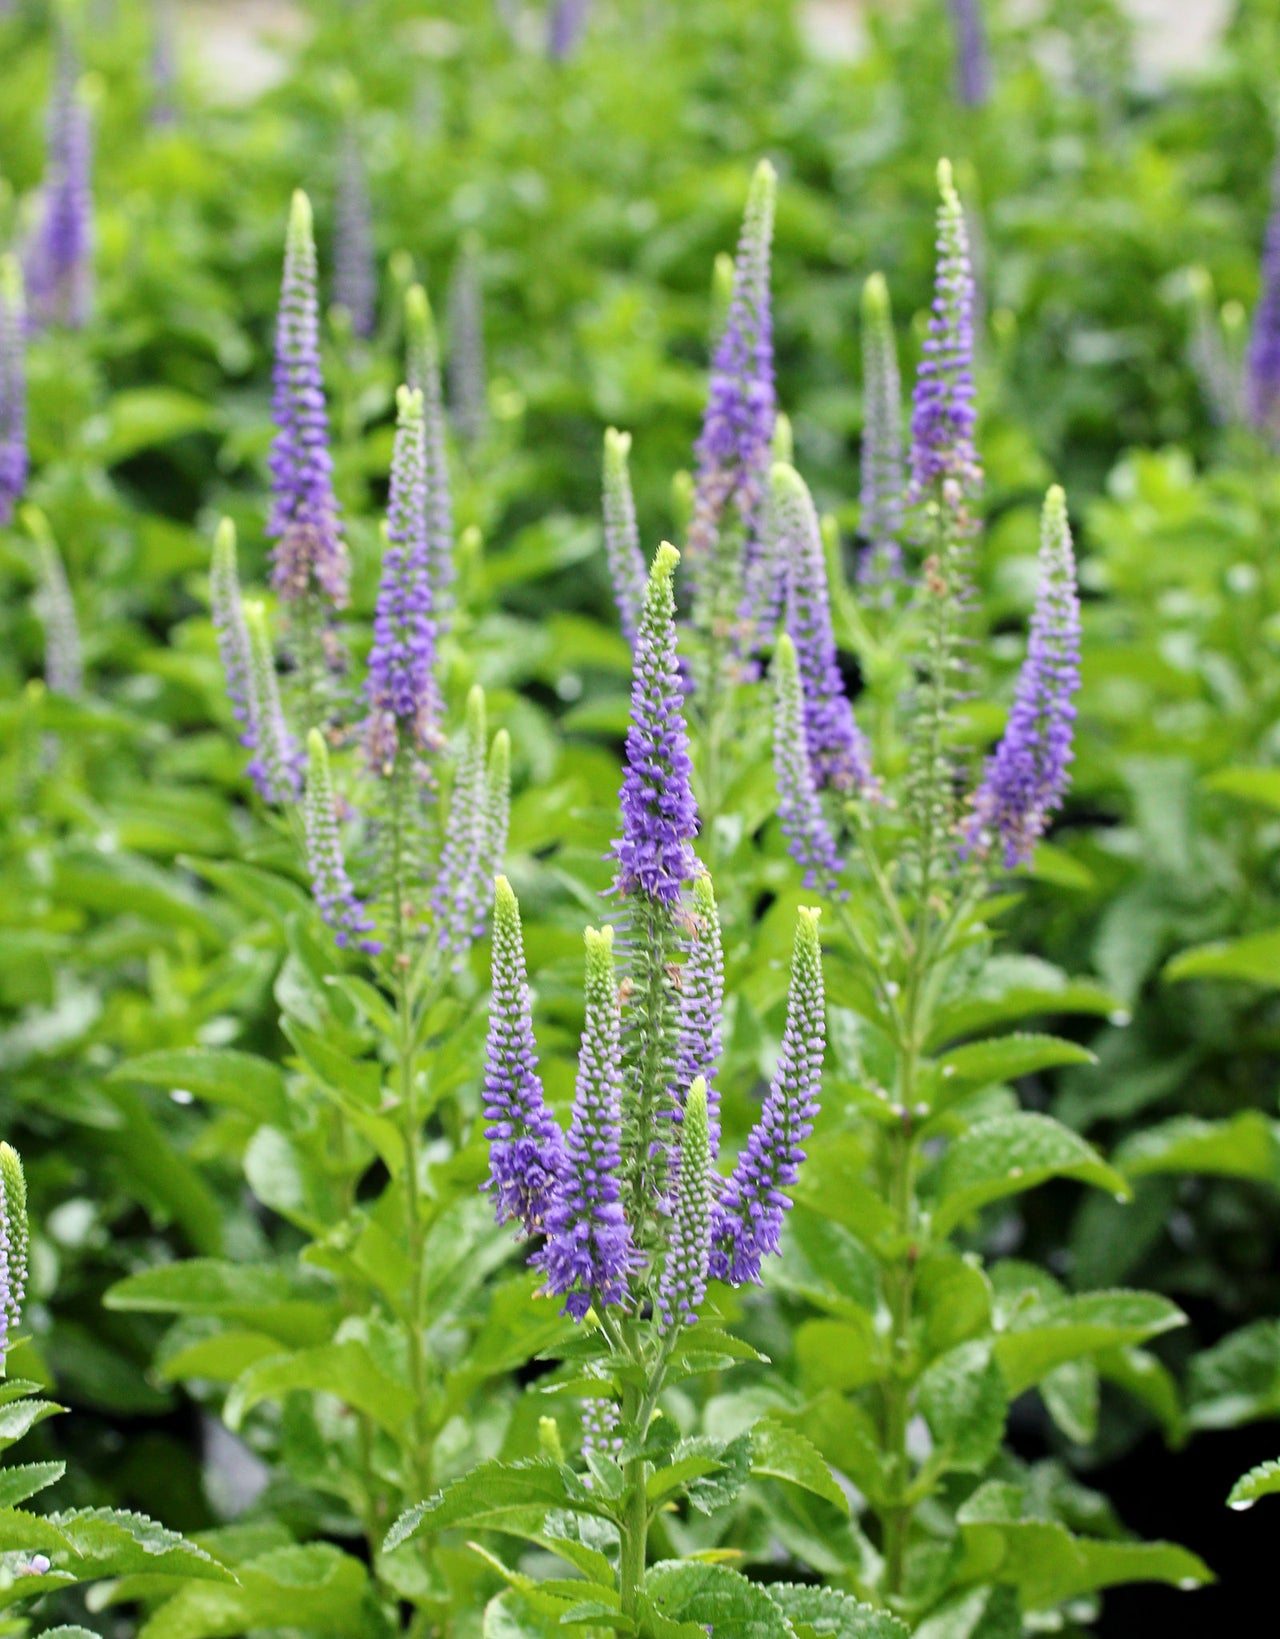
(276, 766)
(402, 691)
(683, 1283)
(59, 270)
(330, 884)
(589, 1252)
(944, 414)
(422, 366)
(747, 1222)
(883, 473)
(659, 814)
(355, 274)
(973, 69)
(14, 1246)
(800, 812)
(837, 747)
(1262, 362)
(701, 1020)
(1026, 777)
(526, 1147)
(732, 451)
(622, 534)
(566, 24)
(309, 555)
(13, 389)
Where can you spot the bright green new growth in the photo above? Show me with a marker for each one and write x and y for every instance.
(301, 230)
(14, 1230)
(783, 448)
(423, 341)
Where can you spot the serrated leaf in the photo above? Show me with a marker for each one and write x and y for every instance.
(1254, 959)
(828, 1614)
(782, 1453)
(26, 1479)
(114, 1542)
(1044, 1336)
(1243, 1146)
(689, 1591)
(314, 1587)
(19, 1417)
(240, 1081)
(1262, 1481)
(21, 1532)
(964, 1399)
(1008, 1154)
(1004, 1058)
(489, 1492)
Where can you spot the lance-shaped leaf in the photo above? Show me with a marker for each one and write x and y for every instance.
(1011, 1153)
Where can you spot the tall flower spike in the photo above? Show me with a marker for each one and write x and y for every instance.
(63, 652)
(1262, 361)
(309, 555)
(732, 452)
(838, 753)
(1026, 777)
(683, 1284)
(588, 1252)
(494, 825)
(13, 1246)
(883, 476)
(274, 768)
(402, 692)
(463, 870)
(747, 1223)
(973, 70)
(943, 415)
(355, 272)
(423, 375)
(659, 815)
(164, 63)
(330, 885)
(566, 24)
(701, 1019)
(526, 1147)
(466, 346)
(227, 611)
(59, 258)
(622, 533)
(804, 824)
(13, 389)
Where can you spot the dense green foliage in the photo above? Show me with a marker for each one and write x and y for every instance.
(263, 1281)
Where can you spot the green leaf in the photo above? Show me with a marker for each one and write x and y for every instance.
(980, 1613)
(1237, 1380)
(1243, 1146)
(1004, 1058)
(138, 418)
(1262, 1481)
(26, 1479)
(240, 1081)
(828, 1614)
(1008, 1154)
(19, 1417)
(963, 1398)
(1043, 1336)
(1011, 988)
(1071, 1395)
(269, 1297)
(113, 1542)
(1254, 958)
(783, 1453)
(316, 1588)
(347, 1370)
(1260, 785)
(74, 1631)
(689, 1591)
(21, 1532)
(490, 1492)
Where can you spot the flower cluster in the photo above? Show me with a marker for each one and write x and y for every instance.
(59, 269)
(973, 71)
(944, 414)
(1026, 776)
(422, 373)
(310, 557)
(883, 475)
(330, 885)
(63, 651)
(476, 836)
(13, 1246)
(13, 389)
(1262, 361)
(622, 533)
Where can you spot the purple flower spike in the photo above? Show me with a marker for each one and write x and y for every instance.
(883, 476)
(1262, 362)
(566, 24)
(59, 268)
(423, 375)
(973, 70)
(747, 1223)
(684, 1271)
(275, 768)
(943, 414)
(804, 824)
(622, 534)
(330, 884)
(732, 452)
(13, 389)
(699, 1031)
(164, 63)
(659, 815)
(402, 691)
(227, 610)
(355, 273)
(309, 554)
(13, 1246)
(589, 1252)
(838, 754)
(526, 1147)
(1026, 777)
(475, 837)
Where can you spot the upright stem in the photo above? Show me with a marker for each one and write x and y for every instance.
(635, 1517)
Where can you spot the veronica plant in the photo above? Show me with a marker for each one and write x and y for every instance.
(913, 1367)
(632, 1219)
